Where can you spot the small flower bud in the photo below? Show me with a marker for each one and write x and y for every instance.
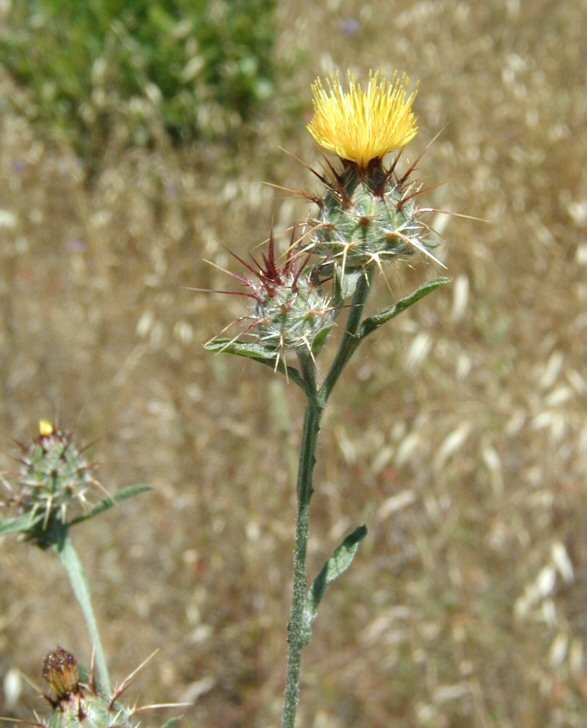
(290, 309)
(293, 314)
(46, 428)
(78, 703)
(53, 477)
(60, 670)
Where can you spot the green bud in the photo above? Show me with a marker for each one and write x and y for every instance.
(54, 476)
(367, 217)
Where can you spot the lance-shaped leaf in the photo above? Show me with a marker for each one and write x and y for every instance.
(20, 524)
(374, 322)
(348, 281)
(171, 723)
(129, 492)
(320, 340)
(251, 350)
(336, 565)
(248, 349)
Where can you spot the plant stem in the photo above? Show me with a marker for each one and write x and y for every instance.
(75, 572)
(351, 338)
(307, 460)
(316, 402)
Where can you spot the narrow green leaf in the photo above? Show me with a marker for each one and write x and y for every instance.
(79, 583)
(248, 349)
(257, 352)
(374, 322)
(21, 524)
(171, 723)
(336, 565)
(320, 340)
(349, 282)
(129, 492)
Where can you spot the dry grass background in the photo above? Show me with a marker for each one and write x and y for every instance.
(459, 435)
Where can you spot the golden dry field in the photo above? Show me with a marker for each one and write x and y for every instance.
(458, 434)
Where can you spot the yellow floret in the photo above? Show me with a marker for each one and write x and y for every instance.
(46, 428)
(363, 124)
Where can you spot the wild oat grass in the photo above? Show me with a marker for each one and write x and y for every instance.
(469, 462)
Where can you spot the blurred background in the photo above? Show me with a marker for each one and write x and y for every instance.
(135, 141)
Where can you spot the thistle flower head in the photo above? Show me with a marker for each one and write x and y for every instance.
(360, 125)
(53, 476)
(290, 309)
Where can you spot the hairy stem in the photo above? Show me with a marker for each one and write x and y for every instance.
(351, 338)
(300, 581)
(316, 402)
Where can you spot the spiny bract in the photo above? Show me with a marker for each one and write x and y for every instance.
(366, 219)
(293, 315)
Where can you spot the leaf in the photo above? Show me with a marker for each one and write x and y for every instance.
(349, 281)
(171, 723)
(336, 565)
(374, 322)
(248, 349)
(257, 352)
(81, 588)
(21, 524)
(129, 492)
(320, 340)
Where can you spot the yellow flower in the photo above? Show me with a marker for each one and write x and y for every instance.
(363, 124)
(46, 428)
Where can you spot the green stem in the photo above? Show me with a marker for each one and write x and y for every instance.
(307, 460)
(75, 572)
(316, 402)
(351, 338)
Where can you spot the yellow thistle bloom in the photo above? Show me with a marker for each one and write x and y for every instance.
(363, 124)
(46, 428)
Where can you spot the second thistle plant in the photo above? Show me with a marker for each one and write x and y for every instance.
(366, 218)
(53, 492)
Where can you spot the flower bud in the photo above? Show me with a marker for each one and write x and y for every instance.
(290, 309)
(76, 703)
(60, 670)
(53, 477)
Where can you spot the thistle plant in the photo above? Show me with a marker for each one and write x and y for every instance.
(366, 219)
(54, 490)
